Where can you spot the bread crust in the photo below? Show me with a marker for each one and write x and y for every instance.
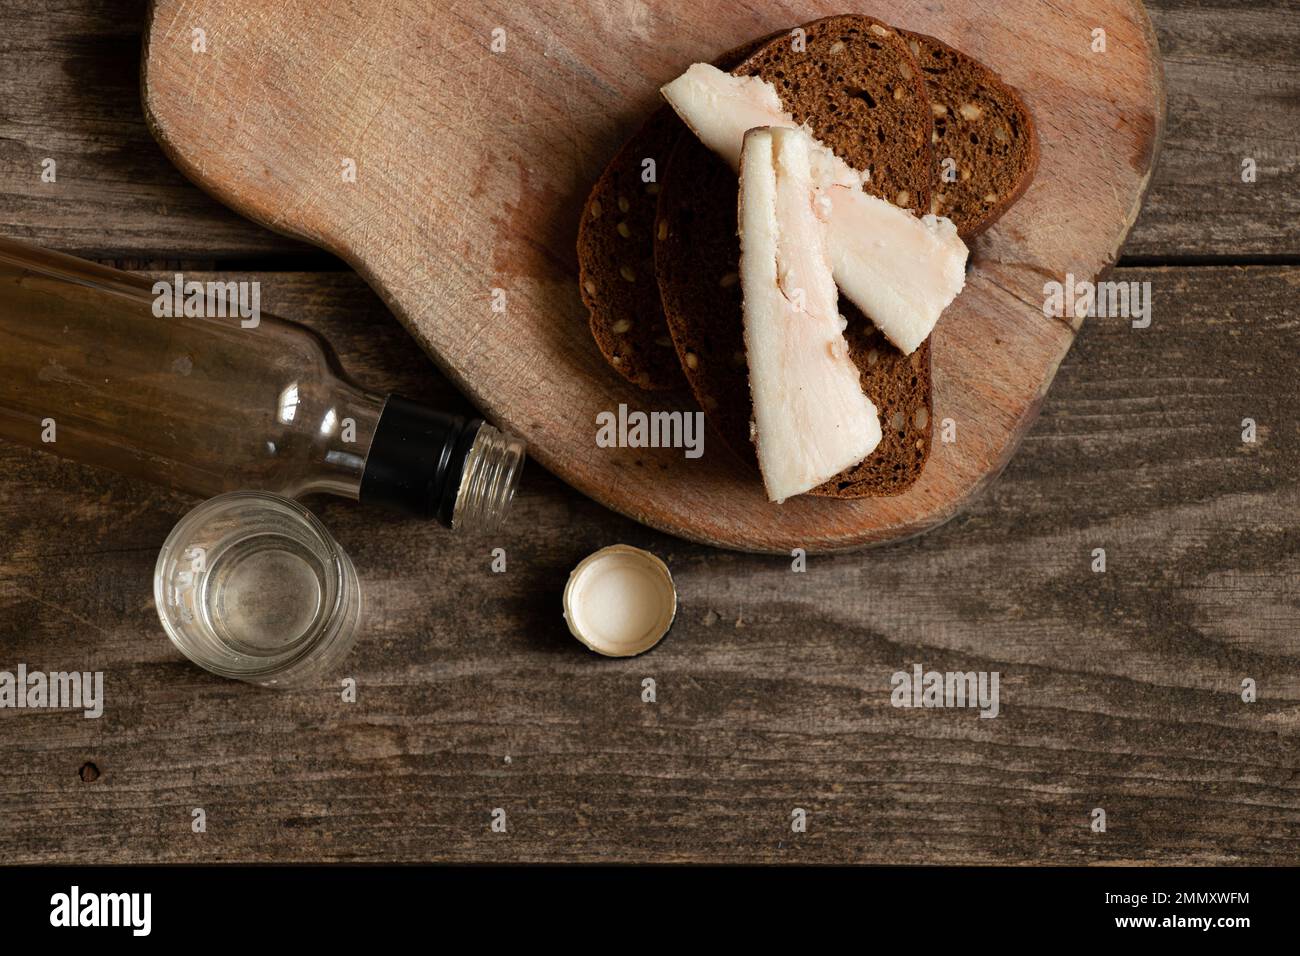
(616, 260)
(642, 352)
(1004, 113)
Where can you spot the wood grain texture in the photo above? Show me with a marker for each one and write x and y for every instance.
(70, 69)
(71, 78)
(1119, 690)
(472, 164)
(1233, 74)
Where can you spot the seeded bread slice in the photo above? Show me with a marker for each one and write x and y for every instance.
(616, 259)
(860, 90)
(697, 258)
(983, 125)
(616, 251)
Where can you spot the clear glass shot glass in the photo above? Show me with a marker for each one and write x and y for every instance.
(250, 585)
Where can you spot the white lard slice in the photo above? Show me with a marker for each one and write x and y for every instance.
(900, 270)
(811, 418)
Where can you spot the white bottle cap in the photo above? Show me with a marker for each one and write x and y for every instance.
(620, 601)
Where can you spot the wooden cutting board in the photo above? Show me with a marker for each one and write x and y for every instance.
(476, 130)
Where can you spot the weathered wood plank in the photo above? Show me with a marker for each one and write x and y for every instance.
(69, 72)
(1232, 72)
(1119, 690)
(70, 75)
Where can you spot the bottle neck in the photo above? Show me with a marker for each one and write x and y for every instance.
(349, 419)
(460, 471)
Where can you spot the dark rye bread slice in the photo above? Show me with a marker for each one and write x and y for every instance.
(616, 251)
(697, 260)
(860, 90)
(616, 259)
(984, 126)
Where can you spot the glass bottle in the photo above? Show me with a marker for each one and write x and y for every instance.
(175, 383)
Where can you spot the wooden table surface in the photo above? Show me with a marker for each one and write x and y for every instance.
(1120, 690)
